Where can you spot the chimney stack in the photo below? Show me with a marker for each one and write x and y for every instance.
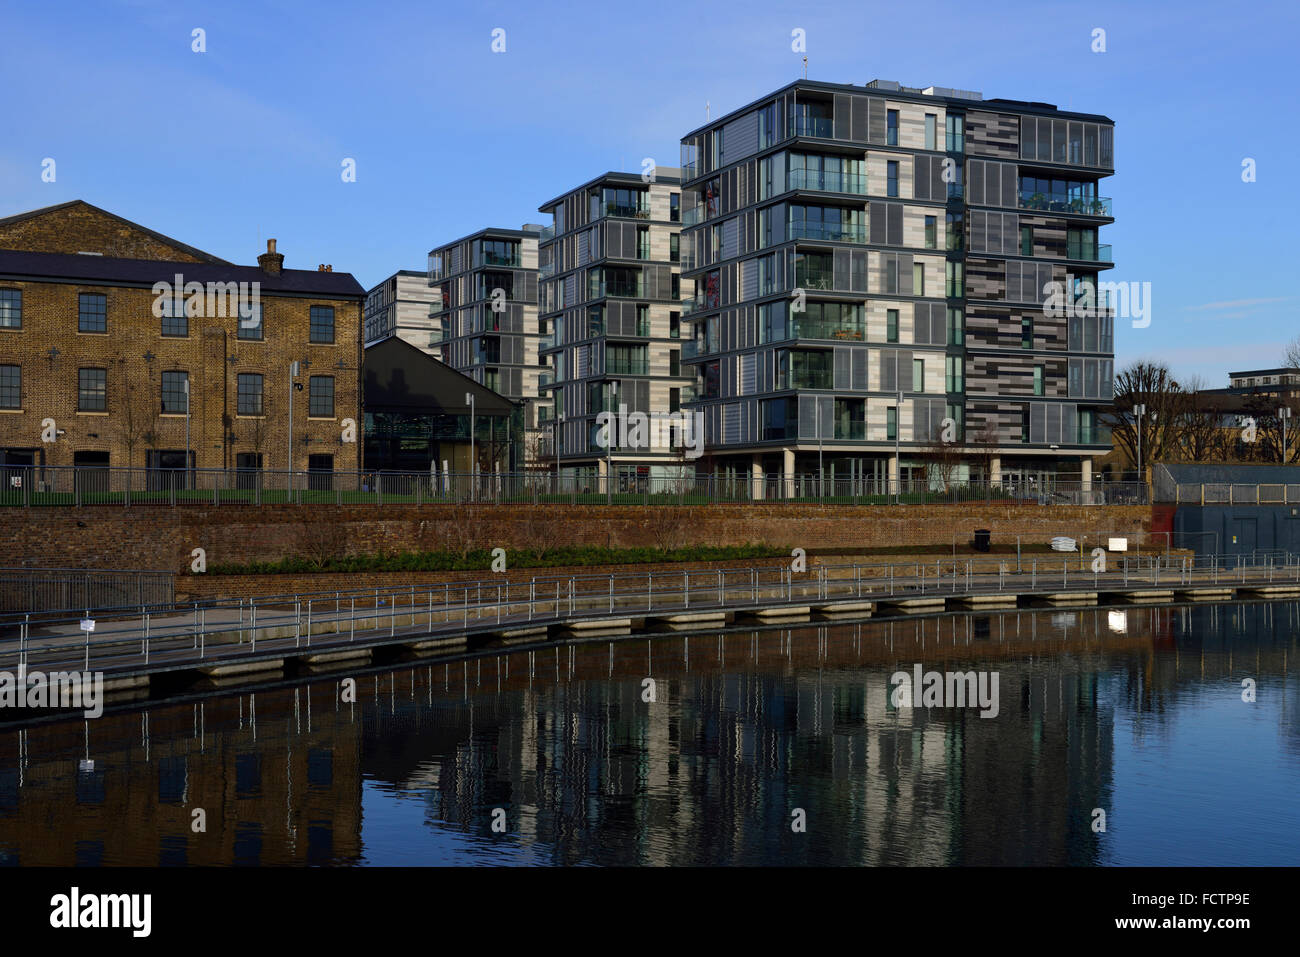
(270, 261)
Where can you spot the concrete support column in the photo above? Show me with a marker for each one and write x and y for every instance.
(893, 474)
(995, 470)
(756, 473)
(787, 469)
(1086, 475)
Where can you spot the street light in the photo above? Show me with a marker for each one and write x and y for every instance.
(187, 430)
(898, 462)
(293, 387)
(473, 462)
(609, 444)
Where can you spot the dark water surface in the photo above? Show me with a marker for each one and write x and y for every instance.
(1137, 712)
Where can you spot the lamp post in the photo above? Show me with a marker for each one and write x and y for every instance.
(293, 387)
(1139, 410)
(898, 462)
(609, 443)
(473, 462)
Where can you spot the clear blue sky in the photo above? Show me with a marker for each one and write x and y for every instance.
(224, 148)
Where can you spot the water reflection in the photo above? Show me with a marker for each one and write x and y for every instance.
(1136, 711)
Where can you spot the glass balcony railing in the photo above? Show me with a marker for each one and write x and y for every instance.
(623, 210)
(545, 379)
(546, 271)
(1089, 253)
(828, 182)
(1090, 206)
(689, 171)
(805, 379)
(823, 128)
(617, 366)
(698, 304)
(835, 232)
(437, 308)
(693, 215)
(546, 235)
(804, 328)
(850, 430)
(496, 259)
(546, 341)
(616, 290)
(813, 279)
(693, 348)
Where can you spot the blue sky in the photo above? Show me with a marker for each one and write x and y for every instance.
(225, 148)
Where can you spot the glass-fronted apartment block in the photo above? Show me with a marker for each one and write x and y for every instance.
(399, 308)
(484, 314)
(874, 270)
(611, 311)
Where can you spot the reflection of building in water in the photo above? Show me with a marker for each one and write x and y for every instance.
(275, 772)
(745, 728)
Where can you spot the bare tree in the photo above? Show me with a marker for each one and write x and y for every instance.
(137, 419)
(1201, 435)
(1153, 386)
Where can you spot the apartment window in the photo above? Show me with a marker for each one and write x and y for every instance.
(891, 325)
(92, 390)
(11, 387)
(174, 320)
(11, 308)
(675, 207)
(674, 399)
(954, 132)
(955, 224)
(1087, 427)
(891, 121)
(92, 312)
(954, 280)
(1026, 240)
(932, 232)
(643, 242)
(676, 284)
(1026, 332)
(891, 183)
(322, 323)
(954, 374)
(674, 325)
(891, 422)
(321, 402)
(175, 389)
(643, 320)
(674, 248)
(956, 327)
(1038, 380)
(250, 321)
(918, 375)
(249, 388)
(674, 362)
(931, 123)
(918, 279)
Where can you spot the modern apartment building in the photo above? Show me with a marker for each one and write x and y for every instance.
(873, 269)
(399, 307)
(611, 290)
(484, 313)
(102, 369)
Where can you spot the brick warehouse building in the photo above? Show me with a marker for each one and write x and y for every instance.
(82, 343)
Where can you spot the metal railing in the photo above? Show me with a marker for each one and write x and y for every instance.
(157, 638)
(1223, 493)
(33, 589)
(72, 486)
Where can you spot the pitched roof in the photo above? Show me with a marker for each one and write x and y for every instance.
(34, 213)
(109, 271)
(400, 377)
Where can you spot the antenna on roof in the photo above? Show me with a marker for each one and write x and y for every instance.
(707, 117)
(805, 66)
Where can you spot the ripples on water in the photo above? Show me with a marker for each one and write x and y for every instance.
(1134, 711)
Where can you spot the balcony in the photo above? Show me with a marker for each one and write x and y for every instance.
(693, 216)
(828, 182)
(803, 328)
(496, 259)
(813, 279)
(623, 211)
(1092, 206)
(805, 379)
(831, 232)
(546, 341)
(547, 271)
(437, 309)
(822, 128)
(694, 348)
(1089, 253)
(699, 303)
(616, 290)
(626, 366)
(853, 431)
(546, 235)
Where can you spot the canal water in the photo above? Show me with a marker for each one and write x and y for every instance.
(1121, 736)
